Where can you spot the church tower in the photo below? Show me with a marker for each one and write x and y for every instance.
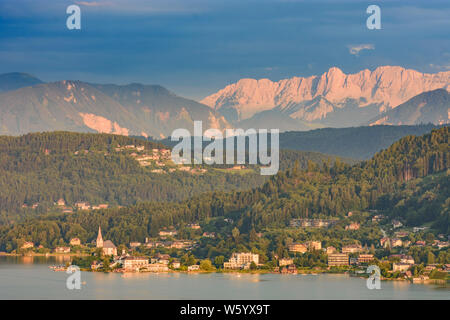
(99, 238)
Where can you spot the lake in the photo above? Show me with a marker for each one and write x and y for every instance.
(30, 278)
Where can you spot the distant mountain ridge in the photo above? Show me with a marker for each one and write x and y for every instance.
(79, 106)
(17, 80)
(428, 107)
(332, 99)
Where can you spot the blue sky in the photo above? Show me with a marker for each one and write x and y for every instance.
(195, 47)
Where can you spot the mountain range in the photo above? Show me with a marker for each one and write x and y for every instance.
(388, 95)
(135, 109)
(333, 99)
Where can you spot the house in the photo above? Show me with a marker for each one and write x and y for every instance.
(352, 248)
(134, 263)
(403, 258)
(338, 259)
(181, 244)
(62, 249)
(108, 248)
(420, 243)
(135, 244)
(401, 267)
(385, 242)
(365, 258)
(194, 267)
(75, 242)
(285, 262)
(67, 210)
(396, 242)
(83, 205)
(209, 234)
(417, 229)
(241, 260)
(298, 247)
(176, 264)
(195, 226)
(170, 233)
(27, 245)
(290, 269)
(61, 202)
(353, 226)
(157, 267)
(331, 250)
(312, 223)
(401, 234)
(396, 224)
(377, 218)
(430, 267)
(314, 245)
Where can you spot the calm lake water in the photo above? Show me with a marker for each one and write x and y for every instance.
(30, 278)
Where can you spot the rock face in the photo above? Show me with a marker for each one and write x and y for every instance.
(428, 107)
(78, 106)
(334, 98)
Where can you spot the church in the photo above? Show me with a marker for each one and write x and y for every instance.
(108, 248)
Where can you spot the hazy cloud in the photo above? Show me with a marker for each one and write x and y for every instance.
(355, 49)
(92, 4)
(440, 67)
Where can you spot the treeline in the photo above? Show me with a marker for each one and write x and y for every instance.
(318, 191)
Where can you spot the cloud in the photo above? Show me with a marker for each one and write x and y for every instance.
(92, 4)
(355, 49)
(439, 67)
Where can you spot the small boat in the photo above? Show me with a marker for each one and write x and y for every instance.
(58, 268)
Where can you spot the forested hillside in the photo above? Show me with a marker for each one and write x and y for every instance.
(412, 171)
(39, 169)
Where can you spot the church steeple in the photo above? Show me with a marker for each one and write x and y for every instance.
(99, 238)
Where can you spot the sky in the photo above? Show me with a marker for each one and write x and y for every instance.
(196, 47)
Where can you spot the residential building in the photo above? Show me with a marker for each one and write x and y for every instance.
(194, 267)
(352, 248)
(61, 202)
(312, 223)
(365, 258)
(401, 267)
(135, 244)
(157, 267)
(285, 262)
(396, 224)
(290, 269)
(331, 250)
(396, 242)
(165, 233)
(27, 245)
(75, 242)
(338, 259)
(353, 226)
(209, 234)
(134, 263)
(298, 247)
(241, 260)
(62, 249)
(315, 245)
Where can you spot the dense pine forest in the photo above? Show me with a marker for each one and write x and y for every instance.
(77, 167)
(408, 181)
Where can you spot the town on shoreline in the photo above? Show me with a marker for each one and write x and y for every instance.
(157, 255)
